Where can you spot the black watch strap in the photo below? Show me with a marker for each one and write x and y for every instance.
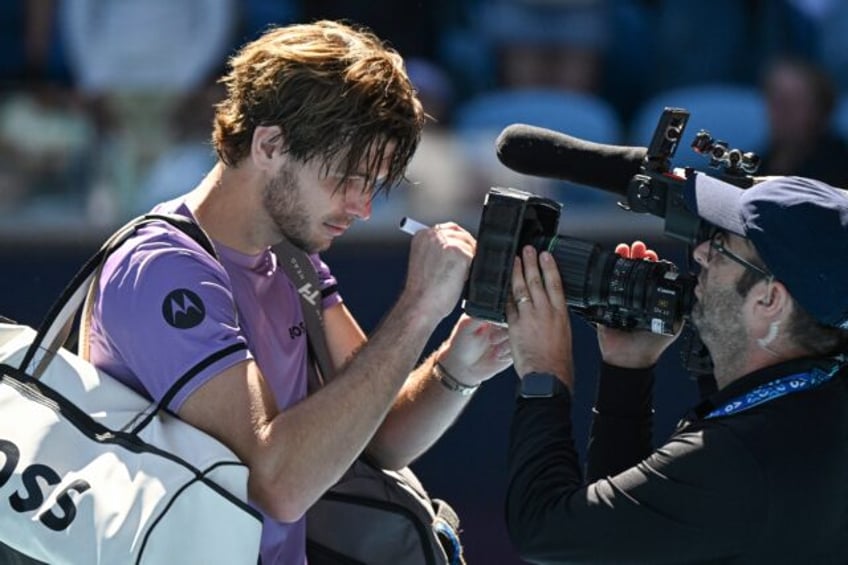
(540, 385)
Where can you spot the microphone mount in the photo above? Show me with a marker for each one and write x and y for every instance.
(735, 163)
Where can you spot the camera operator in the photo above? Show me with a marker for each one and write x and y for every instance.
(757, 472)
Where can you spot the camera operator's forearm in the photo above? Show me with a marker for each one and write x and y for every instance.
(544, 470)
(621, 433)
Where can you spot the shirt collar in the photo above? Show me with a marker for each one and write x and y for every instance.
(755, 379)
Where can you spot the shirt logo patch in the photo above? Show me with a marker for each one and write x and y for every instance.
(183, 309)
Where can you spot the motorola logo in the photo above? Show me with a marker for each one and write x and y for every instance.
(183, 309)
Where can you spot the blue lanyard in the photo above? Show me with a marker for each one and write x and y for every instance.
(775, 389)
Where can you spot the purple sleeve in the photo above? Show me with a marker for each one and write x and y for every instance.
(170, 318)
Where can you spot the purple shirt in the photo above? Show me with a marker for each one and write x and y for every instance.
(165, 308)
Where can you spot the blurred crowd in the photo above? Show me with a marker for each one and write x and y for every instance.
(106, 105)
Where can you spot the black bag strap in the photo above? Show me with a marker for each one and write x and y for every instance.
(302, 273)
(56, 327)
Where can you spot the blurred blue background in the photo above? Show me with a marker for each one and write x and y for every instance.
(106, 108)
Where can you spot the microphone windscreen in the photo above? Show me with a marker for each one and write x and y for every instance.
(546, 153)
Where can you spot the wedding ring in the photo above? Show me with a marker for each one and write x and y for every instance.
(522, 300)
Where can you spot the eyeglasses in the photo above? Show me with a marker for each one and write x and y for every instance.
(717, 244)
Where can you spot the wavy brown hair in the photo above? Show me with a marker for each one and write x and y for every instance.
(337, 92)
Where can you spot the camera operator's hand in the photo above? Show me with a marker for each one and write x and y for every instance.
(539, 328)
(634, 349)
(476, 351)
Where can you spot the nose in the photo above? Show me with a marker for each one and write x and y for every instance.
(701, 253)
(358, 204)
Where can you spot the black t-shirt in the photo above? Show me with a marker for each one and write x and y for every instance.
(766, 485)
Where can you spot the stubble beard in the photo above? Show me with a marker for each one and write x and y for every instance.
(283, 202)
(718, 318)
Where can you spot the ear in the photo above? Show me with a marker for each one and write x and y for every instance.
(772, 299)
(266, 147)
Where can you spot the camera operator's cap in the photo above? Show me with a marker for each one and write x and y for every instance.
(799, 227)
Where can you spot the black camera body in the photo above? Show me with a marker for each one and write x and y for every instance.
(600, 285)
(510, 219)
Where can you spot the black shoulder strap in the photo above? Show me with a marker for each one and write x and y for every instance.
(186, 225)
(56, 326)
(302, 273)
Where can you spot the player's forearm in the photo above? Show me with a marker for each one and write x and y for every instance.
(311, 444)
(423, 411)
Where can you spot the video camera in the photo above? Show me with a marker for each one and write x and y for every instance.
(601, 286)
(657, 189)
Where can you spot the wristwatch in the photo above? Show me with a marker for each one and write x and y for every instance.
(540, 385)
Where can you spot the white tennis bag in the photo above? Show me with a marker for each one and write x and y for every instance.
(91, 472)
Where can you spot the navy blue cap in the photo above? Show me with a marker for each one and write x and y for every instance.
(799, 228)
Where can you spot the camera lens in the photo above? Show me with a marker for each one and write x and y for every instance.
(604, 287)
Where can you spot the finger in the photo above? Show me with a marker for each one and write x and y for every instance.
(511, 313)
(640, 251)
(470, 325)
(623, 250)
(637, 249)
(483, 330)
(519, 282)
(503, 353)
(553, 281)
(517, 286)
(498, 335)
(455, 230)
(452, 231)
(532, 276)
(480, 329)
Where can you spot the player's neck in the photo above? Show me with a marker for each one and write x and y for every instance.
(227, 204)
